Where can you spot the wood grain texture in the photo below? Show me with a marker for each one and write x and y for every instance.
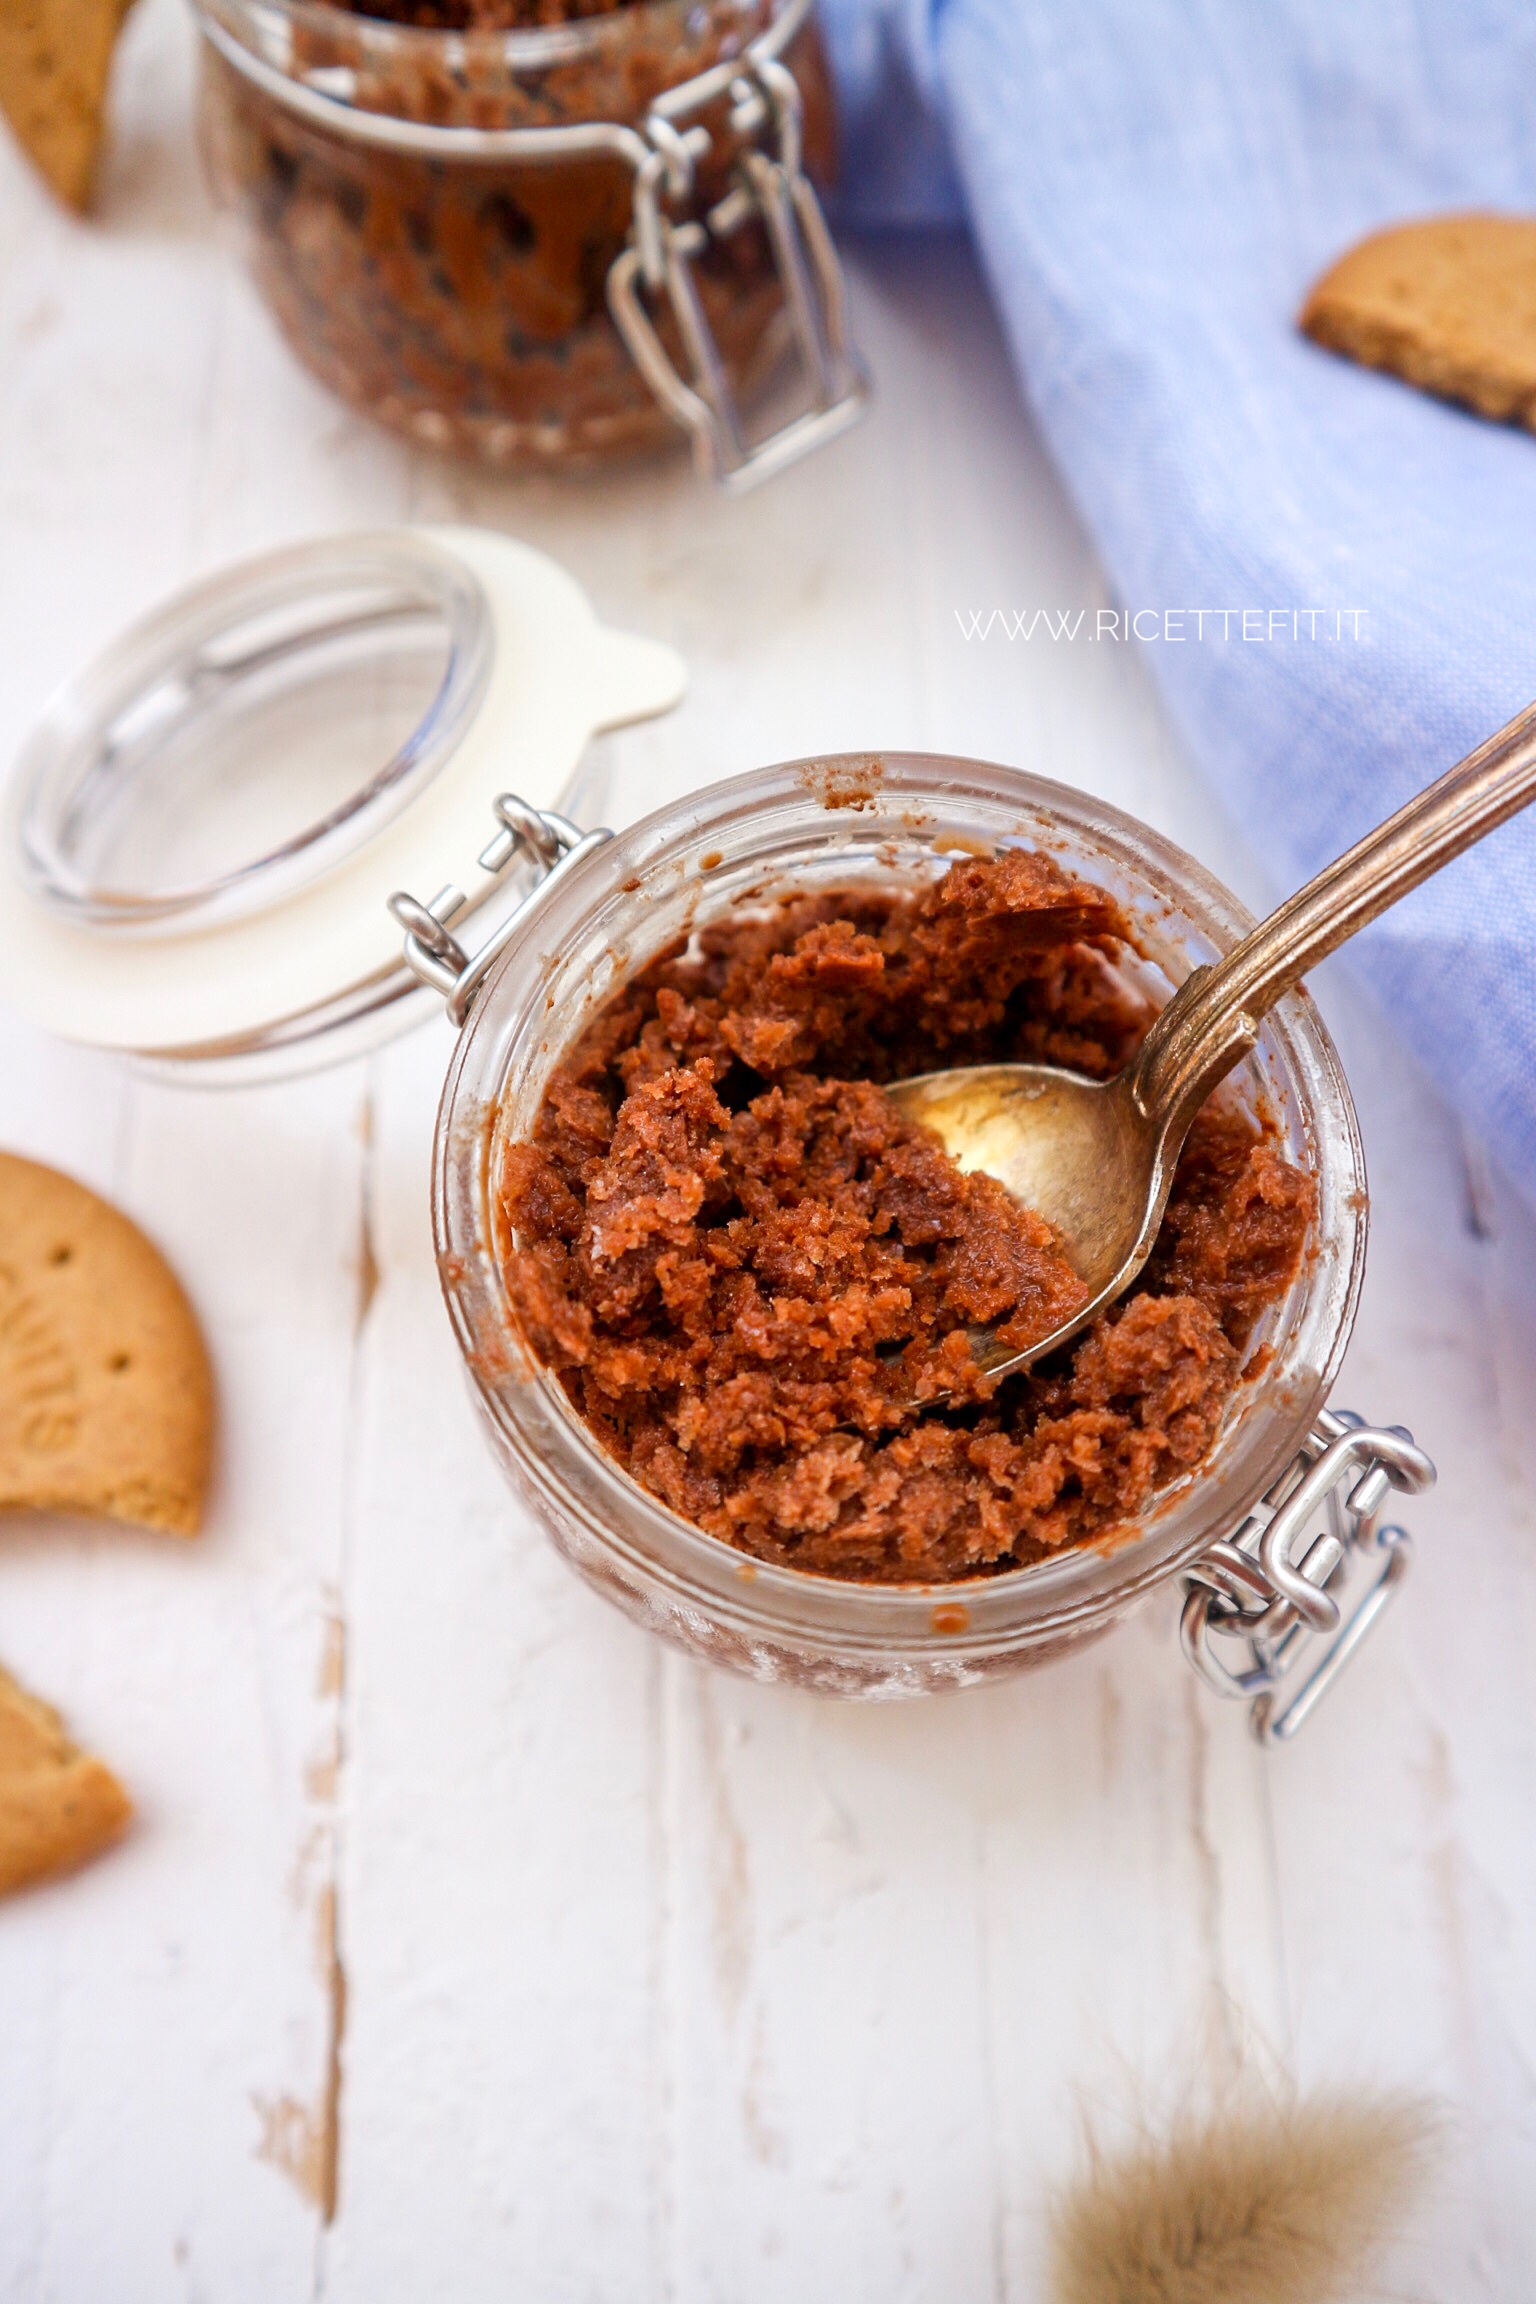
(469, 1944)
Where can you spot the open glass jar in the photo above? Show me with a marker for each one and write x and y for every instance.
(546, 246)
(1237, 1527)
(453, 663)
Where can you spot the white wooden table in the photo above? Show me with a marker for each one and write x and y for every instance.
(595, 1975)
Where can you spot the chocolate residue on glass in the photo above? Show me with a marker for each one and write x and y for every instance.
(742, 1261)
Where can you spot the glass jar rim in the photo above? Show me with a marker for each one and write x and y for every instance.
(1074, 1591)
(524, 48)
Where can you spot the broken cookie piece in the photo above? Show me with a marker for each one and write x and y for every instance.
(1447, 303)
(106, 1397)
(59, 1806)
(55, 62)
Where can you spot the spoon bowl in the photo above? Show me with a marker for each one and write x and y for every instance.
(1096, 1158)
(1079, 1152)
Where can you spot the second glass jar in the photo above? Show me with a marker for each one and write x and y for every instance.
(461, 299)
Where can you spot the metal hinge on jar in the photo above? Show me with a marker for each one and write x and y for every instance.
(551, 843)
(771, 187)
(1288, 1612)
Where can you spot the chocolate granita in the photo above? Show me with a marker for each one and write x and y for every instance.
(744, 1265)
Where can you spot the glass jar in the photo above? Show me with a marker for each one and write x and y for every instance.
(803, 826)
(548, 246)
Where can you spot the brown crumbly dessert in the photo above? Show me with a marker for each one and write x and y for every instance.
(1447, 303)
(741, 1260)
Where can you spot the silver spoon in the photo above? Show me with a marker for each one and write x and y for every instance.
(1096, 1158)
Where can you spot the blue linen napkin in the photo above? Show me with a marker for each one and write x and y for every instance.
(1153, 185)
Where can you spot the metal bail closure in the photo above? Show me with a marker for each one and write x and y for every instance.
(551, 843)
(1296, 1611)
(771, 185)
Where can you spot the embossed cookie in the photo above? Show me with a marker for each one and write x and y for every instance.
(106, 1399)
(58, 1805)
(1448, 303)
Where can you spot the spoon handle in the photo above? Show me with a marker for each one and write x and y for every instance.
(1213, 1018)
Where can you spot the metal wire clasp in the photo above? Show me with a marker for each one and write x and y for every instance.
(1281, 1605)
(770, 184)
(551, 843)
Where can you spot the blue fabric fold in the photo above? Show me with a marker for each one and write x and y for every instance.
(1153, 185)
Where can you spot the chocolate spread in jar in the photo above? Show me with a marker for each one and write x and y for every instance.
(742, 1261)
(463, 301)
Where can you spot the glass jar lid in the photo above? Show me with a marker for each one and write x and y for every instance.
(205, 827)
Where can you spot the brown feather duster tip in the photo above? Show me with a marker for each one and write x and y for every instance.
(1258, 2204)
